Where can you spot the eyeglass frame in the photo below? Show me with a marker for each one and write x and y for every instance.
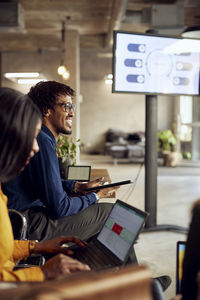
(67, 106)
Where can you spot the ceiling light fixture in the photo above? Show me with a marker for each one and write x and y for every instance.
(22, 75)
(25, 77)
(110, 76)
(66, 75)
(30, 81)
(62, 70)
(108, 79)
(192, 32)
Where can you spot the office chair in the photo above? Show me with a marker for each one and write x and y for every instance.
(19, 226)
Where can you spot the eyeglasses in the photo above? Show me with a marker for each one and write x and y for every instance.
(67, 106)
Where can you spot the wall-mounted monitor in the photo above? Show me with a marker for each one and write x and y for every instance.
(149, 64)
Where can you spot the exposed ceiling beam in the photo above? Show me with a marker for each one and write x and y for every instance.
(33, 42)
(95, 21)
(17, 42)
(118, 11)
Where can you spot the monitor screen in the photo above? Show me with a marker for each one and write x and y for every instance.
(149, 64)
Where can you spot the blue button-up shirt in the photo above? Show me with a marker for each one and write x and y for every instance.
(40, 184)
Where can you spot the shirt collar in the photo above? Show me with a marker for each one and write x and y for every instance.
(49, 133)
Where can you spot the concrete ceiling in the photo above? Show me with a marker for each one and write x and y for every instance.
(95, 21)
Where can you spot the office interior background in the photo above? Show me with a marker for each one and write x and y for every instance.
(39, 36)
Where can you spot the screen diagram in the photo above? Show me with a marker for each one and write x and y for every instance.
(154, 64)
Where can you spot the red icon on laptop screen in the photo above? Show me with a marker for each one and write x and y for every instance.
(117, 228)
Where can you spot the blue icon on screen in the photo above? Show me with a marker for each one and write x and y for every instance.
(136, 63)
(137, 48)
(135, 78)
(181, 80)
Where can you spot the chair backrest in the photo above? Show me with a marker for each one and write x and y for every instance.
(19, 224)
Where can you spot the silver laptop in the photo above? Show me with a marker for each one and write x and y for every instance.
(112, 246)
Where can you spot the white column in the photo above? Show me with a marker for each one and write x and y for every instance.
(72, 62)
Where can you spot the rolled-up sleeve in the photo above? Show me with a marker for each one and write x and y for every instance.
(26, 274)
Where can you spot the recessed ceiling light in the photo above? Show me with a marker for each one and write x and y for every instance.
(192, 32)
(22, 75)
(108, 81)
(30, 81)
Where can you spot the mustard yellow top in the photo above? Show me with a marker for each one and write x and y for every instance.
(11, 251)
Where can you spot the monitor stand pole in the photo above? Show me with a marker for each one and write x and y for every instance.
(151, 154)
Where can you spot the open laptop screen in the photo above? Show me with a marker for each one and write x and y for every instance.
(122, 228)
(79, 173)
(180, 251)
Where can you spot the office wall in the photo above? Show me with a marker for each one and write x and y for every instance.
(101, 110)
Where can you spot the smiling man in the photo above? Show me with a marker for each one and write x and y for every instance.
(39, 192)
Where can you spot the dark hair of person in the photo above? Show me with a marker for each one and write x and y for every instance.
(18, 120)
(44, 94)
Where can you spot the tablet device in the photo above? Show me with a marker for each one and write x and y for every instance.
(79, 173)
(180, 251)
(104, 186)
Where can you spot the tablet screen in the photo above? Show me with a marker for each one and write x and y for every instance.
(79, 173)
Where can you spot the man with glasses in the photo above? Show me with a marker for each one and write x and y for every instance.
(39, 192)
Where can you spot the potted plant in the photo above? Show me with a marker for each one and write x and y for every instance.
(167, 141)
(66, 150)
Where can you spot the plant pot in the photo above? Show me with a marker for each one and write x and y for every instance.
(64, 167)
(170, 159)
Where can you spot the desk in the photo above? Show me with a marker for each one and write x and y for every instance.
(129, 283)
(96, 173)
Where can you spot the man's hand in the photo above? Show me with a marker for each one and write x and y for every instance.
(60, 265)
(104, 193)
(57, 245)
(81, 187)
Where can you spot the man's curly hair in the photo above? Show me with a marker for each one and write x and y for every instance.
(44, 94)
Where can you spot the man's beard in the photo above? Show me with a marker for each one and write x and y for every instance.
(68, 132)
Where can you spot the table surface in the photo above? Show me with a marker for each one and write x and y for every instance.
(96, 173)
(129, 280)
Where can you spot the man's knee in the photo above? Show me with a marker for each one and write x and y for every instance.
(104, 209)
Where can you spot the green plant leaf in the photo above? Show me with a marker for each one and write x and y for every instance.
(166, 140)
(66, 148)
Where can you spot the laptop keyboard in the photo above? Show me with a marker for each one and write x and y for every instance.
(93, 256)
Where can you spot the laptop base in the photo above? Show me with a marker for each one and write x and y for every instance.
(92, 255)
